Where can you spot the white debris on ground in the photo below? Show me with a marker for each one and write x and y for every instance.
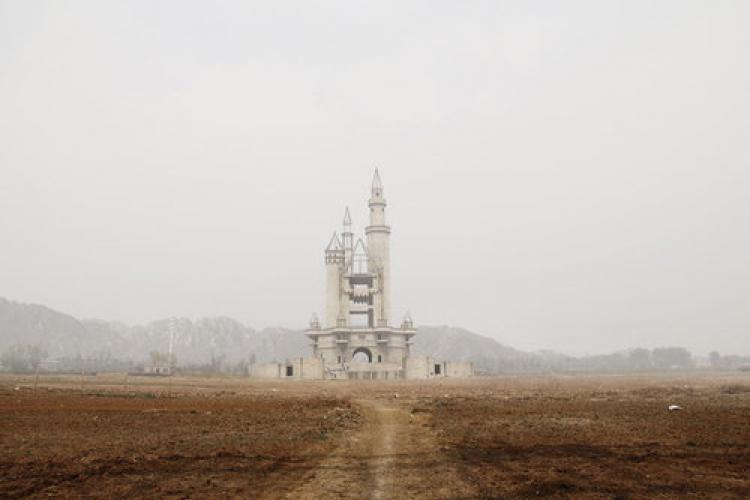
(674, 408)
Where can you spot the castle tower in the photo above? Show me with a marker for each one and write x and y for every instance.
(358, 340)
(378, 245)
(334, 261)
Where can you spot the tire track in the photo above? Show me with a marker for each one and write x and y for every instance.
(392, 455)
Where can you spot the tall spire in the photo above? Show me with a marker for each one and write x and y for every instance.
(347, 238)
(377, 185)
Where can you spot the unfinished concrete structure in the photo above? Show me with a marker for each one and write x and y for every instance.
(358, 339)
(357, 335)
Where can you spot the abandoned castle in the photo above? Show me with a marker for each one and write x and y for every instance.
(357, 340)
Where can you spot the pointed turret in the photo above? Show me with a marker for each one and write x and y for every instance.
(360, 249)
(347, 218)
(359, 258)
(314, 322)
(335, 244)
(377, 201)
(377, 185)
(407, 323)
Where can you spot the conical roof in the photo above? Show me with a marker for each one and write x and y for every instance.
(335, 244)
(377, 184)
(360, 249)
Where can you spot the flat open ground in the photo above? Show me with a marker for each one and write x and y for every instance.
(509, 437)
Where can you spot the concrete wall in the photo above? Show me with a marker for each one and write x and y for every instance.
(268, 370)
(378, 250)
(333, 292)
(311, 368)
(391, 352)
(421, 367)
(459, 370)
(376, 375)
(302, 368)
(418, 367)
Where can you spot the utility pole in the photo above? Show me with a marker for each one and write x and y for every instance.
(171, 338)
(169, 355)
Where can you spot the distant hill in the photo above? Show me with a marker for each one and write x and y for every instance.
(34, 324)
(227, 343)
(457, 344)
(199, 341)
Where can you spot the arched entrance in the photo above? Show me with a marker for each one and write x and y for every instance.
(362, 355)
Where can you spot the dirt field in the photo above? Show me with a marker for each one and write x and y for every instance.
(508, 437)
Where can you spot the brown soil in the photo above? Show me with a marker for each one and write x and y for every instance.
(392, 455)
(509, 437)
(611, 438)
(110, 445)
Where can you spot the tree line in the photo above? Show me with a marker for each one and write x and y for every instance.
(632, 360)
(27, 358)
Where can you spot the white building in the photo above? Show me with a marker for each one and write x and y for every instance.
(358, 339)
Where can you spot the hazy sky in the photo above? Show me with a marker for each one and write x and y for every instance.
(566, 175)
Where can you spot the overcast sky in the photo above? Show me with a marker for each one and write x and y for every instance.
(562, 175)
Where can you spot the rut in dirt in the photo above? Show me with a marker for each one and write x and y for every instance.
(392, 455)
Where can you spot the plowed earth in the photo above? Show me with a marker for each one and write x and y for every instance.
(583, 440)
(71, 445)
(508, 437)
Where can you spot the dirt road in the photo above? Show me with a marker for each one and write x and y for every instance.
(392, 455)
